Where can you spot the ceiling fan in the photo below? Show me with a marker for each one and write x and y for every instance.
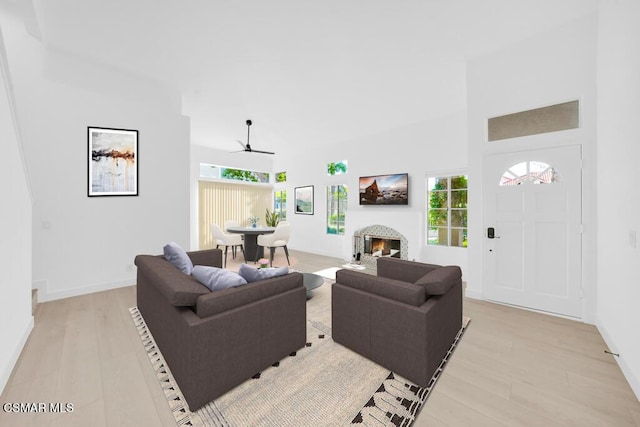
(247, 148)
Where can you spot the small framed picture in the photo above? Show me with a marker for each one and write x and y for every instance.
(304, 200)
(113, 162)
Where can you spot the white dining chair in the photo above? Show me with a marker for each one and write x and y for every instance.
(230, 223)
(278, 239)
(224, 239)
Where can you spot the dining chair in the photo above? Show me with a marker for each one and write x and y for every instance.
(278, 239)
(224, 239)
(232, 223)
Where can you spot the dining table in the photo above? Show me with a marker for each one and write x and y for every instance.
(251, 234)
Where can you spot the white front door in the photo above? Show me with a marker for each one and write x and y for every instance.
(533, 204)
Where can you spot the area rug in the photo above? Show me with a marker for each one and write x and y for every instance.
(322, 384)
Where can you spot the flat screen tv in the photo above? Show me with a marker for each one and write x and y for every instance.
(384, 189)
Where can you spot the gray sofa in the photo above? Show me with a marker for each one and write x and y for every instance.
(404, 319)
(214, 341)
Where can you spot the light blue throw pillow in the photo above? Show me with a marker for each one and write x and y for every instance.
(252, 274)
(216, 278)
(178, 257)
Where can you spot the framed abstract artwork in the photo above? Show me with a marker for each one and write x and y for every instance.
(112, 162)
(304, 200)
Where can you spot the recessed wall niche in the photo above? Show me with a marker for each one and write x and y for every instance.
(552, 118)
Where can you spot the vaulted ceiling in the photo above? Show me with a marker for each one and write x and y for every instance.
(304, 72)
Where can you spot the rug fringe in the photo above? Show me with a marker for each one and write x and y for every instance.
(397, 402)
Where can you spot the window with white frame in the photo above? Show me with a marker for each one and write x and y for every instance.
(530, 172)
(336, 208)
(281, 177)
(280, 204)
(337, 168)
(233, 174)
(447, 210)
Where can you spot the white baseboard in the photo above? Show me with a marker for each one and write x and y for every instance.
(40, 285)
(633, 381)
(6, 373)
(473, 294)
(44, 295)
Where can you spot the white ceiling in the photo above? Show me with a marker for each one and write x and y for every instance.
(305, 72)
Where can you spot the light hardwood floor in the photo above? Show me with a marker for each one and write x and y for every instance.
(512, 367)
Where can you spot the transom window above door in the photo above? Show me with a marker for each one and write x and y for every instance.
(530, 172)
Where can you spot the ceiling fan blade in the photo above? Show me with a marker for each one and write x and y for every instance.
(247, 147)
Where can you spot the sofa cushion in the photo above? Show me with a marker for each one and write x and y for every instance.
(216, 278)
(407, 293)
(440, 280)
(218, 302)
(178, 257)
(179, 289)
(253, 274)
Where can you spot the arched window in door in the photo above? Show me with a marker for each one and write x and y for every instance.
(530, 172)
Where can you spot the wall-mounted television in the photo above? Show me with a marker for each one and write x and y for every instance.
(384, 189)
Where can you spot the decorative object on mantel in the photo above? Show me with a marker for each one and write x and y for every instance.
(112, 162)
(303, 198)
(254, 221)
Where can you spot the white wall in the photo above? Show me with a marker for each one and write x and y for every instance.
(202, 154)
(547, 69)
(16, 320)
(618, 190)
(83, 244)
(430, 146)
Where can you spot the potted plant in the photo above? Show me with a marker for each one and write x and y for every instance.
(271, 218)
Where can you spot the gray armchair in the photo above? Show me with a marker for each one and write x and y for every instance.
(404, 319)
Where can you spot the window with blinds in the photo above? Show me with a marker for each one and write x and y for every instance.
(222, 201)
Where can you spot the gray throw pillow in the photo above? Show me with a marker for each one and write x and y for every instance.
(252, 274)
(216, 278)
(178, 257)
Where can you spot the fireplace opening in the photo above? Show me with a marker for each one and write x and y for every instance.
(381, 246)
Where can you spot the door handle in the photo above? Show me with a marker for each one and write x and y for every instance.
(491, 233)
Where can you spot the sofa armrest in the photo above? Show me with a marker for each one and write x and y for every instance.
(405, 271)
(440, 280)
(208, 257)
(179, 289)
(407, 293)
(220, 301)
